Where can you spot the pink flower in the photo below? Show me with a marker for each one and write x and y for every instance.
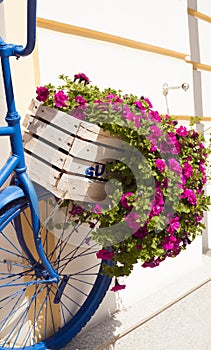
(153, 148)
(82, 77)
(97, 209)
(154, 116)
(174, 166)
(131, 221)
(187, 170)
(114, 97)
(124, 200)
(160, 164)
(153, 139)
(151, 263)
(182, 131)
(157, 203)
(104, 254)
(148, 102)
(60, 99)
(174, 225)
(202, 166)
(171, 138)
(76, 210)
(133, 118)
(118, 286)
(171, 243)
(155, 130)
(177, 148)
(80, 100)
(141, 232)
(189, 195)
(42, 93)
(139, 104)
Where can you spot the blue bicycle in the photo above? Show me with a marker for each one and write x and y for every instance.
(50, 280)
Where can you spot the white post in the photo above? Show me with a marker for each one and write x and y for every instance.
(197, 90)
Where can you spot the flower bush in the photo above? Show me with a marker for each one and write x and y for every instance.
(157, 206)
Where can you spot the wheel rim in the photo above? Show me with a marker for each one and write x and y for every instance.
(34, 312)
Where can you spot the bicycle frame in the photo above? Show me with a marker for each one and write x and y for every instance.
(16, 162)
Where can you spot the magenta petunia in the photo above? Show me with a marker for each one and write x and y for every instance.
(76, 210)
(151, 263)
(148, 102)
(182, 131)
(171, 243)
(160, 164)
(105, 254)
(187, 170)
(154, 116)
(42, 93)
(189, 195)
(114, 97)
(82, 78)
(173, 225)
(60, 99)
(139, 104)
(80, 100)
(131, 221)
(174, 166)
(155, 130)
(118, 287)
(141, 232)
(124, 200)
(97, 209)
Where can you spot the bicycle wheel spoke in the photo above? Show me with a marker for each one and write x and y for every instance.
(36, 312)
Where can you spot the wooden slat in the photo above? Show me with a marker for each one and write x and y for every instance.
(42, 173)
(44, 151)
(49, 133)
(199, 15)
(93, 152)
(94, 133)
(114, 39)
(81, 189)
(57, 118)
(83, 167)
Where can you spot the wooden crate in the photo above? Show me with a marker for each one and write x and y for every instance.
(67, 155)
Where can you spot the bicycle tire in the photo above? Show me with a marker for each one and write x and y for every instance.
(31, 317)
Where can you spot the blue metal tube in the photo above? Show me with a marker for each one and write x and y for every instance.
(12, 118)
(29, 190)
(31, 31)
(17, 160)
(5, 64)
(6, 130)
(8, 168)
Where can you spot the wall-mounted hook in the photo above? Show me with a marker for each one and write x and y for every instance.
(166, 88)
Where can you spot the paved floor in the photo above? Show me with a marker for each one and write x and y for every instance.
(181, 323)
(184, 326)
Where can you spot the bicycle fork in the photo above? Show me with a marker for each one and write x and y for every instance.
(16, 163)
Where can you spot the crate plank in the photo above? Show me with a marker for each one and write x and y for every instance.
(82, 189)
(84, 167)
(47, 132)
(44, 151)
(57, 118)
(80, 173)
(42, 174)
(94, 152)
(94, 133)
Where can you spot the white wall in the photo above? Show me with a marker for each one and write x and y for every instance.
(163, 23)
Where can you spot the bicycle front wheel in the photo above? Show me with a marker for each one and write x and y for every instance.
(35, 313)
